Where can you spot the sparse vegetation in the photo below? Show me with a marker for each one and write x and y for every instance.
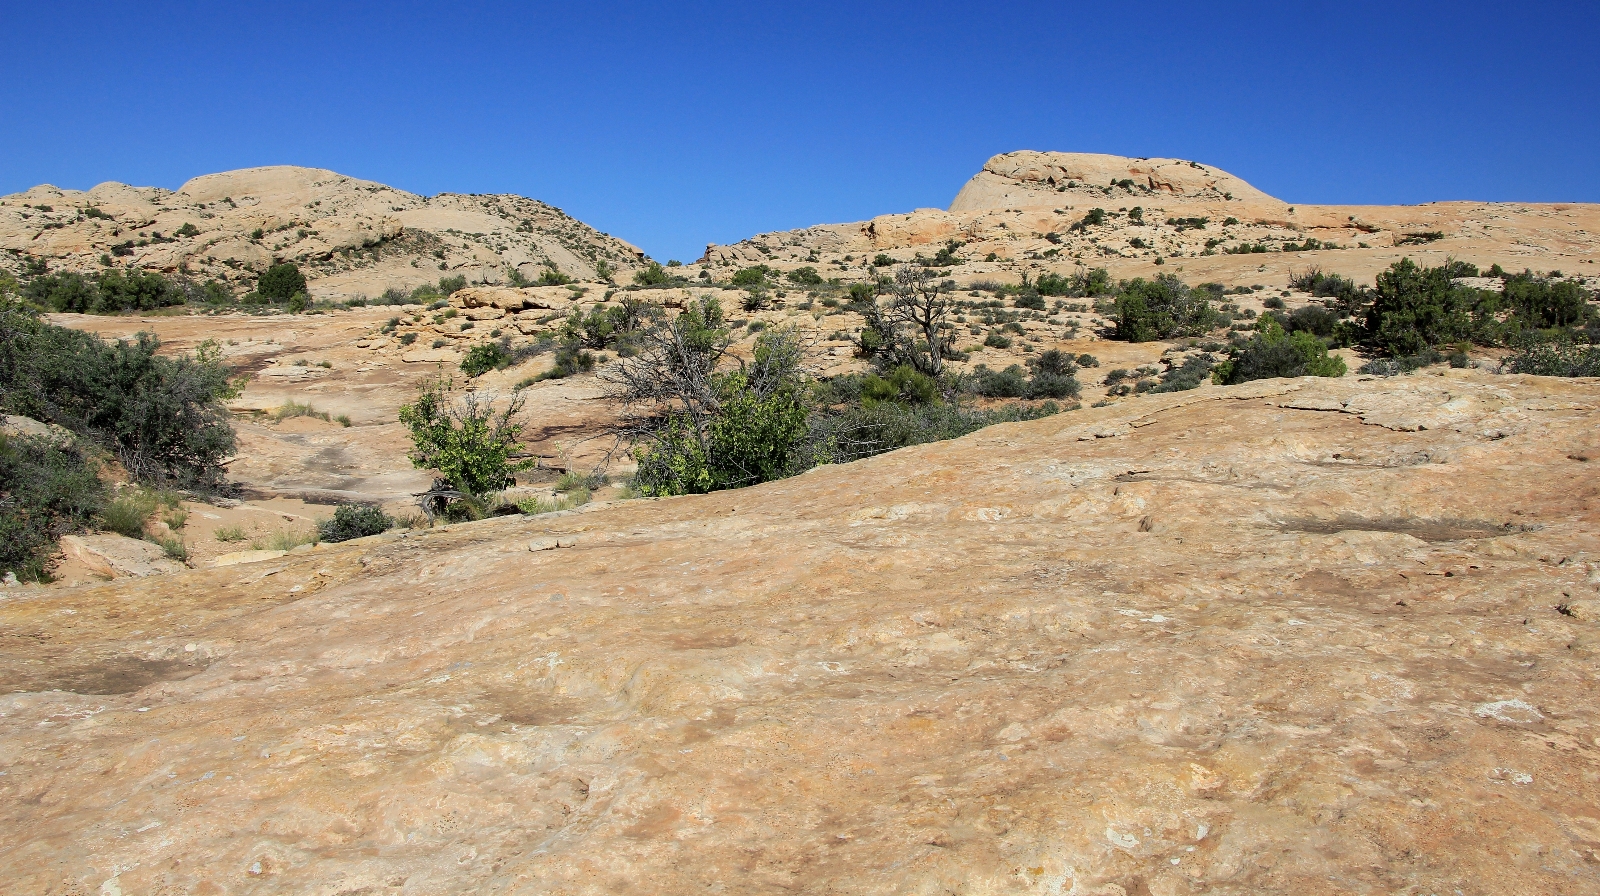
(467, 439)
(1161, 308)
(163, 417)
(47, 490)
(1272, 353)
(354, 521)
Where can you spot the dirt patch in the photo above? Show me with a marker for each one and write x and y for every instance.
(1425, 529)
(113, 675)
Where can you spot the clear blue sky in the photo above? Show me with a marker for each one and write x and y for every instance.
(676, 125)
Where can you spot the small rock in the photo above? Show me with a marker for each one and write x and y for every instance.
(116, 556)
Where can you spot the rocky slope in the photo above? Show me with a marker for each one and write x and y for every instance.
(1296, 636)
(352, 237)
(1024, 215)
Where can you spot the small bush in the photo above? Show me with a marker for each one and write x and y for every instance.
(354, 521)
(128, 513)
(1008, 383)
(1273, 353)
(484, 357)
(753, 276)
(465, 438)
(806, 276)
(997, 340)
(47, 490)
(1162, 308)
(1555, 357)
(652, 275)
(1054, 375)
(281, 282)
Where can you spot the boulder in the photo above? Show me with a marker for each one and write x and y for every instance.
(117, 556)
(26, 427)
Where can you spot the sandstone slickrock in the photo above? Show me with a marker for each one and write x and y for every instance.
(116, 556)
(1270, 638)
(1024, 213)
(351, 237)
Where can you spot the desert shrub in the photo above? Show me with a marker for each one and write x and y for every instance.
(652, 274)
(1161, 308)
(128, 512)
(882, 261)
(857, 431)
(484, 357)
(997, 340)
(1540, 303)
(47, 490)
(408, 338)
(752, 276)
(1087, 360)
(1008, 383)
(1055, 375)
(570, 359)
(1273, 302)
(110, 292)
(354, 521)
(1554, 357)
(1313, 319)
(1415, 308)
(162, 416)
(904, 384)
(1272, 353)
(806, 276)
(1189, 375)
(467, 439)
(281, 282)
(1418, 239)
(449, 286)
(1031, 301)
(699, 425)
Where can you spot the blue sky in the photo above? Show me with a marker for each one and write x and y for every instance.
(676, 125)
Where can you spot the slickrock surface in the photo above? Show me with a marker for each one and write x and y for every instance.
(1295, 636)
(1024, 213)
(351, 237)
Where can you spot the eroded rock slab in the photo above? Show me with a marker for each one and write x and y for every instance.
(1228, 647)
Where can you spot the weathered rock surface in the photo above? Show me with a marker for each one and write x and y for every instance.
(1270, 638)
(351, 237)
(117, 556)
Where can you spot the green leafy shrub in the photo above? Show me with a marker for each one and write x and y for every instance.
(1008, 383)
(570, 359)
(449, 286)
(806, 276)
(47, 490)
(354, 521)
(484, 357)
(1273, 353)
(882, 261)
(1554, 357)
(719, 428)
(465, 438)
(1162, 308)
(1415, 308)
(652, 275)
(162, 416)
(997, 340)
(1054, 375)
(281, 282)
(904, 384)
(752, 276)
(109, 292)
